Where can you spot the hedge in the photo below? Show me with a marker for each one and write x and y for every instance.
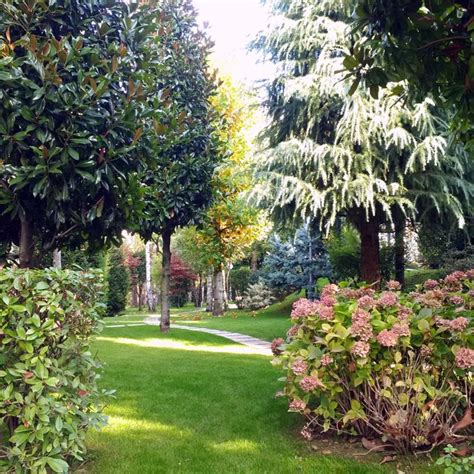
(48, 394)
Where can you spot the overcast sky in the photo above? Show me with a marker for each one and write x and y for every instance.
(232, 24)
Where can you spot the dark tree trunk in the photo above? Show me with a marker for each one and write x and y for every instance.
(370, 250)
(400, 226)
(165, 282)
(26, 244)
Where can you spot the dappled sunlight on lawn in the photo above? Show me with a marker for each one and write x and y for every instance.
(237, 445)
(182, 345)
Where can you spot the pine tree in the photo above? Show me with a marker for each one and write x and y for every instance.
(331, 151)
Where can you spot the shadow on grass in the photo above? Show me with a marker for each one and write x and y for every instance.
(199, 412)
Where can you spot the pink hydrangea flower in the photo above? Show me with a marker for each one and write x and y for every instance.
(393, 285)
(329, 290)
(456, 300)
(387, 338)
(309, 383)
(326, 360)
(326, 312)
(297, 405)
(470, 274)
(366, 302)
(401, 329)
(430, 284)
(360, 349)
(387, 299)
(328, 300)
(404, 313)
(307, 433)
(303, 308)
(293, 331)
(299, 367)
(455, 277)
(276, 343)
(361, 326)
(458, 324)
(465, 358)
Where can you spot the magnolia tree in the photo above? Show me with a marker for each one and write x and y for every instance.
(177, 135)
(69, 121)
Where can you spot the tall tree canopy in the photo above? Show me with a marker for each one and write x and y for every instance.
(69, 114)
(428, 43)
(329, 153)
(178, 133)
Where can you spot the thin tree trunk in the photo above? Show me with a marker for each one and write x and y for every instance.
(134, 295)
(210, 293)
(26, 244)
(400, 226)
(57, 258)
(219, 293)
(165, 282)
(150, 297)
(254, 261)
(370, 251)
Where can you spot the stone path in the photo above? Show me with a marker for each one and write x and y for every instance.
(258, 345)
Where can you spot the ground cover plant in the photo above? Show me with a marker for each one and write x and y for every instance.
(394, 368)
(49, 396)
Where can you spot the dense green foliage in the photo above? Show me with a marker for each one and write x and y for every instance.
(428, 44)
(69, 114)
(118, 283)
(48, 396)
(389, 366)
(239, 279)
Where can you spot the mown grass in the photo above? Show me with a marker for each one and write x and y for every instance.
(190, 402)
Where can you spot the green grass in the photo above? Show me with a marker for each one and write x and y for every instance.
(188, 402)
(265, 324)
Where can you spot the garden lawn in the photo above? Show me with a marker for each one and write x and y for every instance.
(190, 402)
(266, 324)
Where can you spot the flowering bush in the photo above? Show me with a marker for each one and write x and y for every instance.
(48, 392)
(385, 365)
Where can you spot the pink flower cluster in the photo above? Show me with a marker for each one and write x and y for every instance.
(329, 290)
(465, 358)
(309, 383)
(360, 349)
(387, 338)
(457, 325)
(297, 405)
(426, 351)
(299, 367)
(393, 285)
(326, 360)
(293, 331)
(276, 343)
(361, 326)
(404, 313)
(303, 308)
(366, 302)
(324, 308)
(401, 329)
(456, 300)
(430, 284)
(387, 299)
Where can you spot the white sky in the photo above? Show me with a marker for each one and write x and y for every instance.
(232, 25)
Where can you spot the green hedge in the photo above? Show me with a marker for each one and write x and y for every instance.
(48, 393)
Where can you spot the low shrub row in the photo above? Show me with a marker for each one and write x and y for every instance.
(48, 393)
(394, 368)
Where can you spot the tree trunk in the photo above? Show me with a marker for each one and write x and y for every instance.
(150, 296)
(219, 293)
(254, 261)
(57, 258)
(165, 282)
(26, 244)
(400, 226)
(134, 295)
(370, 251)
(209, 293)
